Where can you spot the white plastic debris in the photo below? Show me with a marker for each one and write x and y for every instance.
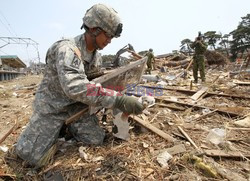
(243, 122)
(97, 159)
(205, 111)
(122, 125)
(4, 148)
(82, 153)
(163, 158)
(149, 100)
(170, 77)
(162, 83)
(216, 135)
(14, 94)
(151, 78)
(145, 145)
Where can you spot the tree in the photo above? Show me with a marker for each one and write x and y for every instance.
(225, 43)
(211, 37)
(185, 46)
(241, 37)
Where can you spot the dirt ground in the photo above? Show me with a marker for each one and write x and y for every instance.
(188, 121)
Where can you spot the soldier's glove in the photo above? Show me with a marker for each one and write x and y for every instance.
(128, 104)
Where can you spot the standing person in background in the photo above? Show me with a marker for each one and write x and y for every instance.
(248, 57)
(71, 65)
(200, 48)
(150, 61)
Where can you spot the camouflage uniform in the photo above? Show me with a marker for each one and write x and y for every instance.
(61, 94)
(150, 61)
(67, 89)
(200, 48)
(248, 58)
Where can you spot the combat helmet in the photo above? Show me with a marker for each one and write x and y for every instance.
(104, 17)
(151, 50)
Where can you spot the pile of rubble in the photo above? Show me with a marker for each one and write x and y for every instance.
(187, 132)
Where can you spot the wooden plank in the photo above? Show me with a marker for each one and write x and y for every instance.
(205, 115)
(188, 138)
(239, 129)
(228, 154)
(242, 83)
(116, 79)
(198, 94)
(114, 76)
(171, 107)
(149, 126)
(232, 114)
(228, 174)
(8, 132)
(228, 113)
(188, 91)
(176, 149)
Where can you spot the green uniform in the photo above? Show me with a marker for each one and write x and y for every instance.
(200, 48)
(150, 60)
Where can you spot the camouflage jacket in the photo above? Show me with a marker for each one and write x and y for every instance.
(150, 56)
(65, 83)
(199, 47)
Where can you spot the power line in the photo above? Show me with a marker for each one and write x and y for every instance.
(3, 52)
(8, 25)
(17, 40)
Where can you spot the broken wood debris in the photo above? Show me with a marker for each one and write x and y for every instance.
(228, 113)
(199, 93)
(190, 92)
(225, 154)
(242, 83)
(9, 132)
(224, 172)
(188, 138)
(205, 115)
(159, 132)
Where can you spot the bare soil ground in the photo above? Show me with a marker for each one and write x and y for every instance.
(136, 159)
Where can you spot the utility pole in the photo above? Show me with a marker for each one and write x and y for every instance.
(17, 40)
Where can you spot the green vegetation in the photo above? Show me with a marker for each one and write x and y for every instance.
(233, 44)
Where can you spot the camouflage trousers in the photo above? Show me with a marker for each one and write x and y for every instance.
(149, 67)
(43, 130)
(199, 64)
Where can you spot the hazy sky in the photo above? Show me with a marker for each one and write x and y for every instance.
(158, 24)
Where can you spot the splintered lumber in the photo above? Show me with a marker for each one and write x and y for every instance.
(9, 132)
(232, 114)
(136, 55)
(215, 57)
(239, 129)
(149, 126)
(242, 83)
(190, 92)
(224, 172)
(176, 149)
(205, 115)
(188, 138)
(228, 113)
(198, 94)
(226, 154)
(176, 63)
(118, 78)
(171, 107)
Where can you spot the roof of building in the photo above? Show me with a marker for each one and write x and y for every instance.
(12, 61)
